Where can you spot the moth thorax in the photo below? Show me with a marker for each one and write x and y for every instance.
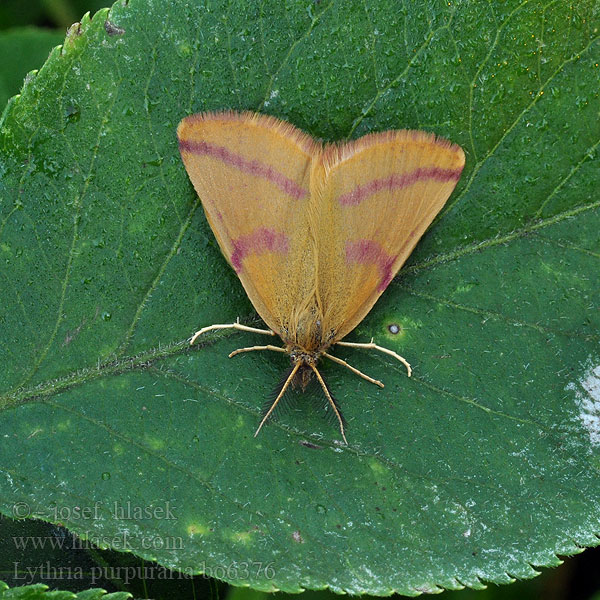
(307, 327)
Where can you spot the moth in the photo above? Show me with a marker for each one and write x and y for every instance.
(315, 232)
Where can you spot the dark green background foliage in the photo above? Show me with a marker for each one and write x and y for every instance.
(26, 48)
(481, 467)
(45, 13)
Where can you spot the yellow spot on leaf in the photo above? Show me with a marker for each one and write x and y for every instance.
(197, 529)
(155, 443)
(377, 467)
(240, 537)
(118, 449)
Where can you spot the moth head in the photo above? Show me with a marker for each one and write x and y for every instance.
(305, 357)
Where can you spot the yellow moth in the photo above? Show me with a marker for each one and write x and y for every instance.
(314, 232)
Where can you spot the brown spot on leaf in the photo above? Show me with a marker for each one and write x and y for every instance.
(74, 30)
(297, 537)
(113, 29)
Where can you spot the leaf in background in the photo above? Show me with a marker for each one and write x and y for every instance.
(36, 552)
(480, 466)
(40, 591)
(44, 13)
(15, 13)
(22, 50)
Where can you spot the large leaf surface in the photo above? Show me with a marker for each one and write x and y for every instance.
(484, 463)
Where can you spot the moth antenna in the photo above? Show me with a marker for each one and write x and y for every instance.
(332, 401)
(335, 402)
(275, 393)
(284, 387)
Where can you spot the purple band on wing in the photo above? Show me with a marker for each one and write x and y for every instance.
(254, 167)
(370, 252)
(397, 182)
(261, 240)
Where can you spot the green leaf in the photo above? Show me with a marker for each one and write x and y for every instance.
(39, 591)
(480, 467)
(22, 50)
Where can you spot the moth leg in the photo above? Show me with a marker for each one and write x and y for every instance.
(339, 361)
(279, 396)
(251, 348)
(372, 346)
(333, 403)
(236, 325)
